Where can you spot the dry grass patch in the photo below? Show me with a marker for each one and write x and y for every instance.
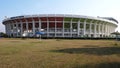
(33, 53)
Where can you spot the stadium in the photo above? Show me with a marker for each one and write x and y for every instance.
(60, 26)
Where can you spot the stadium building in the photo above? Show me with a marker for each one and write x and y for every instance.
(60, 26)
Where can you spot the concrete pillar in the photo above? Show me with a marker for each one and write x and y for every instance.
(21, 29)
(47, 27)
(13, 29)
(55, 27)
(71, 27)
(78, 28)
(33, 24)
(111, 29)
(63, 29)
(102, 29)
(6, 28)
(90, 28)
(17, 28)
(39, 25)
(9, 29)
(26, 27)
(99, 29)
(105, 33)
(107, 29)
(84, 33)
(95, 24)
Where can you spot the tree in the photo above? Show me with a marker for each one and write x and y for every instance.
(3, 34)
(116, 34)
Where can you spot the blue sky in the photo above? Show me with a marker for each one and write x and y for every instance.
(103, 8)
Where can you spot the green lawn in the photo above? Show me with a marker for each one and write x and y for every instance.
(52, 53)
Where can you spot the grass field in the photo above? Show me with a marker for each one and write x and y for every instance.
(52, 53)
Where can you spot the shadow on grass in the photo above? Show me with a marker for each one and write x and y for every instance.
(91, 50)
(100, 65)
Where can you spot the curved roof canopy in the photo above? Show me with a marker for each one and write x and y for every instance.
(106, 19)
(110, 18)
